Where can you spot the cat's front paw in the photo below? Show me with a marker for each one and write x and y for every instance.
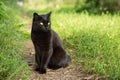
(37, 69)
(42, 71)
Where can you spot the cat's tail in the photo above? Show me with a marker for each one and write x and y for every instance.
(68, 58)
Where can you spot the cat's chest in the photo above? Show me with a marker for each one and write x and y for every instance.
(42, 38)
(44, 42)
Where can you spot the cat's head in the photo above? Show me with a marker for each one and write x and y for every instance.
(42, 22)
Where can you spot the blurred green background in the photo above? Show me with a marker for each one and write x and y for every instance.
(90, 30)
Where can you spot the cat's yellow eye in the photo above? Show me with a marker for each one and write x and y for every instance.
(48, 23)
(41, 23)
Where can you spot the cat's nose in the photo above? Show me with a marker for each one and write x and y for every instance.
(47, 28)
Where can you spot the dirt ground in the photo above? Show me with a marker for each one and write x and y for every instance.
(69, 73)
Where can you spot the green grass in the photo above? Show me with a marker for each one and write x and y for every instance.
(12, 65)
(95, 41)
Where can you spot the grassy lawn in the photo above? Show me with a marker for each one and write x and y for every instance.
(93, 41)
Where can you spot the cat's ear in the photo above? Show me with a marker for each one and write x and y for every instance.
(35, 16)
(49, 14)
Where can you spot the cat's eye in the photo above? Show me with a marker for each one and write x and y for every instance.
(48, 23)
(41, 23)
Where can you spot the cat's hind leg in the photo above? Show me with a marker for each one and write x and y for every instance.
(59, 59)
(65, 61)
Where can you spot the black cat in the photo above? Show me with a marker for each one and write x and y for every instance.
(49, 50)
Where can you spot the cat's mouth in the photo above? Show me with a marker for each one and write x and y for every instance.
(46, 29)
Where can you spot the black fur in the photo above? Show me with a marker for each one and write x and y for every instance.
(49, 50)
